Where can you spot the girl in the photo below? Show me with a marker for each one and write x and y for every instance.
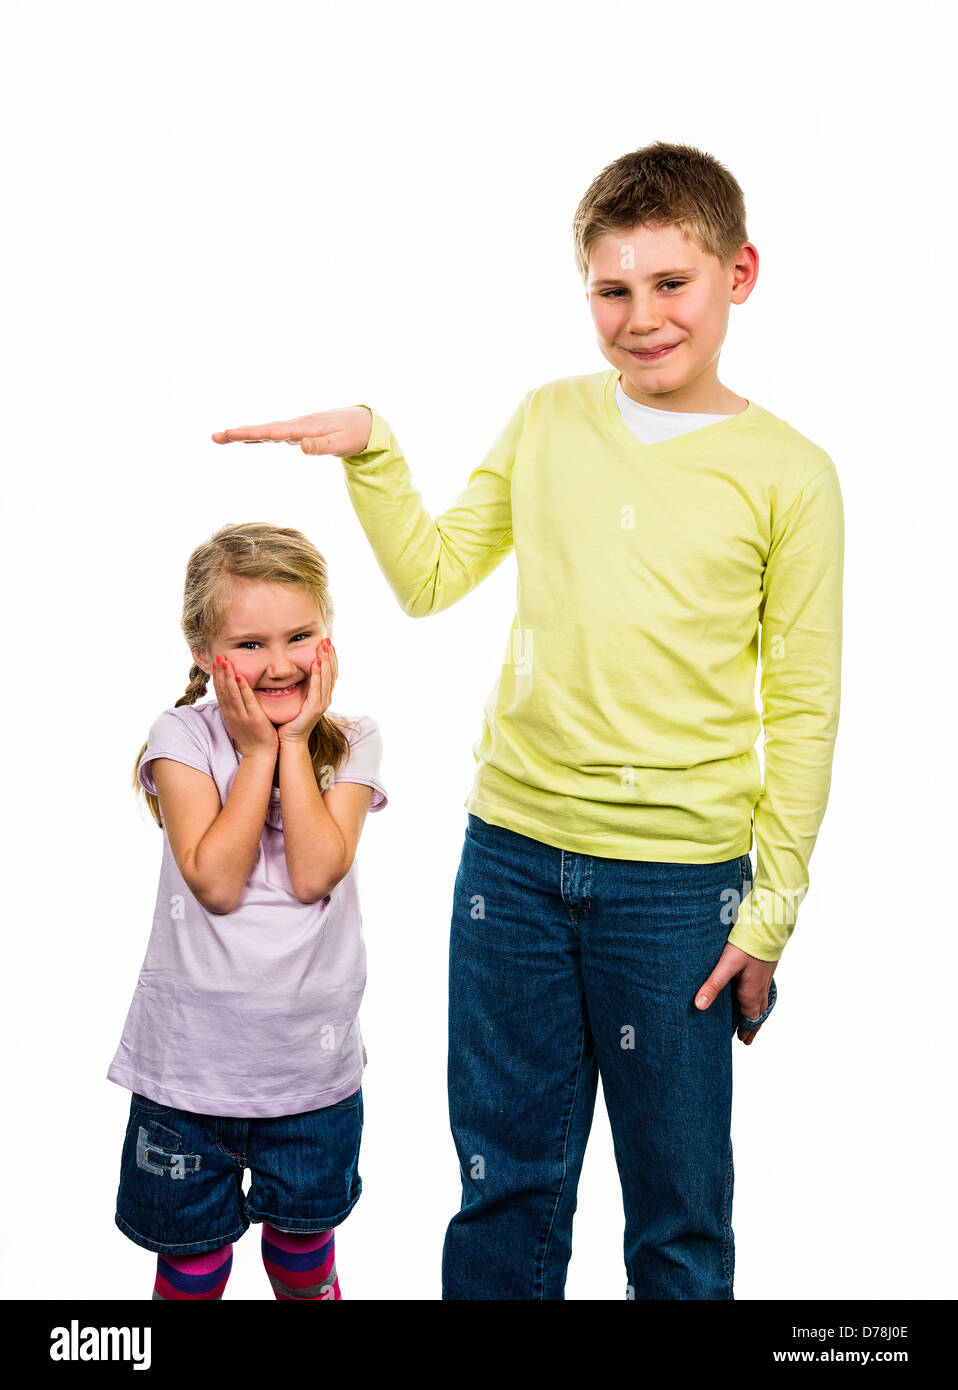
(242, 1045)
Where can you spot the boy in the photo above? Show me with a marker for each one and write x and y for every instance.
(658, 518)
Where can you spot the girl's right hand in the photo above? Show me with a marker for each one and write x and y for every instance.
(341, 432)
(246, 721)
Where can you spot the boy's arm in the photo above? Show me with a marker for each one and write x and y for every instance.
(432, 563)
(801, 646)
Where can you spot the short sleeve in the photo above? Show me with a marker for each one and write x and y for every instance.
(364, 763)
(178, 735)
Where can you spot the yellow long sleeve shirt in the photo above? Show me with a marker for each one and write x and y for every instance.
(650, 579)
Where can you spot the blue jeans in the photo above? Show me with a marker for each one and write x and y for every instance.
(181, 1174)
(563, 967)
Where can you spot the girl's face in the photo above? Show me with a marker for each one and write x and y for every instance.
(270, 633)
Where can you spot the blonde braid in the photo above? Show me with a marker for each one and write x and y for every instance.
(198, 682)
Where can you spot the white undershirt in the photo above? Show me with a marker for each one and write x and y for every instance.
(652, 426)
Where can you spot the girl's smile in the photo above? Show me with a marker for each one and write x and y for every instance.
(278, 694)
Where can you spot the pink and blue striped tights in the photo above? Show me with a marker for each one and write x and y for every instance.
(299, 1266)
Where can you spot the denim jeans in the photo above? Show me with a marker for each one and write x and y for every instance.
(564, 967)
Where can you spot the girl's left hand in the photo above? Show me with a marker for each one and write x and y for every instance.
(319, 692)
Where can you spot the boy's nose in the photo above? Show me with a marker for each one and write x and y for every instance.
(644, 320)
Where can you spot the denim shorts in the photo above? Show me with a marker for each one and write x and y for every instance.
(181, 1174)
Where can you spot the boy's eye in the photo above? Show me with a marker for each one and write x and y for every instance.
(607, 294)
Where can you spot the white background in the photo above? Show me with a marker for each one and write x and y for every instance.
(219, 214)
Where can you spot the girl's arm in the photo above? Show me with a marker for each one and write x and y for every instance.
(214, 846)
(320, 829)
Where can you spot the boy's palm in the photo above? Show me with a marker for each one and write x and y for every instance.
(341, 432)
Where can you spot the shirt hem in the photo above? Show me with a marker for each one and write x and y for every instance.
(240, 1108)
(606, 847)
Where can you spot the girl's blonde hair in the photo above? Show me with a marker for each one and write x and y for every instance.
(252, 551)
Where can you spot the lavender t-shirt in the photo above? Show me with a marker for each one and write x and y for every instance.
(253, 1012)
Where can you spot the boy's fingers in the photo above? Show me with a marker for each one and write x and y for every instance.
(715, 983)
(317, 444)
(257, 434)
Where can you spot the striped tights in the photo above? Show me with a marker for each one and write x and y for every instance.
(298, 1266)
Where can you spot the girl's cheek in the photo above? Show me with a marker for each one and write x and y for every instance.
(244, 667)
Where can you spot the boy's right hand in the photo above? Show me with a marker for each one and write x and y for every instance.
(341, 432)
(247, 723)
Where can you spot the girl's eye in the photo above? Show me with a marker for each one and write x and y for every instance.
(252, 643)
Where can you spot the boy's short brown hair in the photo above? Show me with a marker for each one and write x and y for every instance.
(663, 185)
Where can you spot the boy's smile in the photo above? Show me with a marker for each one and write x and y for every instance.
(660, 305)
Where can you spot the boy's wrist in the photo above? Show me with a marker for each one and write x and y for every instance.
(379, 434)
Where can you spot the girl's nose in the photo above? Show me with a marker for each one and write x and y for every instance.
(279, 667)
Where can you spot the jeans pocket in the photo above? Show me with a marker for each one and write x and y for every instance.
(347, 1102)
(739, 1020)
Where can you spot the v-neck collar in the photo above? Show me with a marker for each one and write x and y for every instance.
(621, 428)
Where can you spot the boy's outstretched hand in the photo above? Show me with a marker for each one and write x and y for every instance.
(752, 979)
(341, 432)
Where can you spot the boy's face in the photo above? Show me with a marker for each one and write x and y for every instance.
(270, 634)
(651, 288)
